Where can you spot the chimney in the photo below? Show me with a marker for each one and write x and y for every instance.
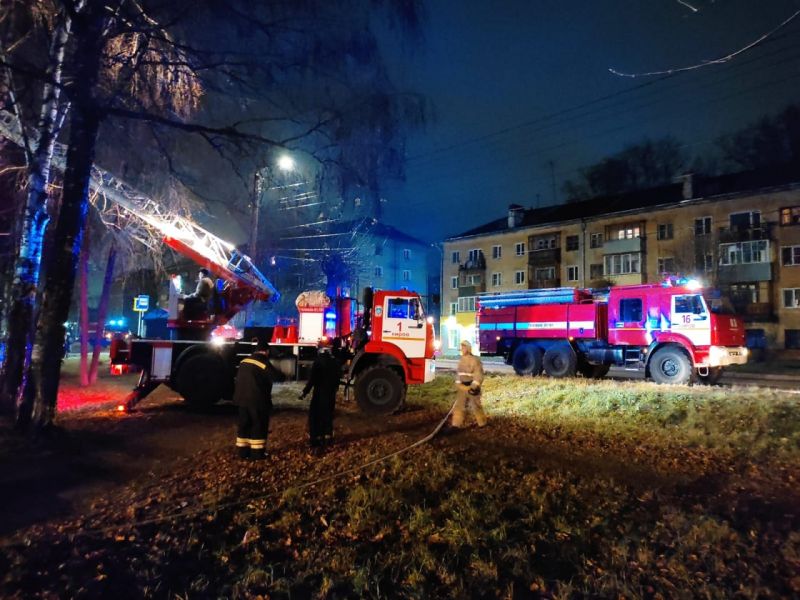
(687, 179)
(514, 215)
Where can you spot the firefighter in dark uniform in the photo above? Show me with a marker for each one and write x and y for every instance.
(324, 380)
(253, 396)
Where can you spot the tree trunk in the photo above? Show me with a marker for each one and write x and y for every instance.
(62, 262)
(83, 268)
(102, 309)
(21, 315)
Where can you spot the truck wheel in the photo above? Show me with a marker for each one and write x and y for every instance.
(527, 360)
(201, 380)
(670, 365)
(379, 390)
(593, 371)
(560, 360)
(714, 373)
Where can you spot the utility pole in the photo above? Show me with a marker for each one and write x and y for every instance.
(255, 207)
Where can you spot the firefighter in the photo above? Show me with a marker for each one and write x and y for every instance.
(468, 387)
(196, 304)
(253, 396)
(324, 380)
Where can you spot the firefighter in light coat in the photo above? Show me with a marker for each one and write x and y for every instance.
(468, 387)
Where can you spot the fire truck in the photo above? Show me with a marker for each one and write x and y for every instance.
(665, 329)
(385, 345)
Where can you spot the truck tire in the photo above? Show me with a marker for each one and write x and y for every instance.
(714, 373)
(670, 364)
(379, 390)
(527, 360)
(560, 360)
(201, 380)
(590, 371)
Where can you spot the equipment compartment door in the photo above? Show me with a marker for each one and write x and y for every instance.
(404, 325)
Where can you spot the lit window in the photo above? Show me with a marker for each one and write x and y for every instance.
(790, 215)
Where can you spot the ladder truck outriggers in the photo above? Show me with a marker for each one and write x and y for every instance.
(666, 329)
(384, 347)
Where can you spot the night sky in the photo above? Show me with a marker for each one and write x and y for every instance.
(506, 78)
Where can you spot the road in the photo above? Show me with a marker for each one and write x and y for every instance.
(783, 382)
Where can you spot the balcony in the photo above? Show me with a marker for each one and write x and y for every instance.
(475, 265)
(471, 290)
(623, 246)
(743, 273)
(536, 284)
(549, 257)
(745, 234)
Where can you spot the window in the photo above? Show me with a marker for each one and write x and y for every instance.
(519, 248)
(790, 215)
(545, 242)
(630, 310)
(497, 252)
(666, 265)
(596, 271)
(572, 273)
(519, 277)
(406, 254)
(378, 271)
(406, 275)
(792, 339)
(790, 256)
(473, 279)
(791, 298)
(453, 308)
(544, 273)
(743, 293)
(399, 308)
(452, 338)
(664, 231)
(702, 226)
(745, 220)
(691, 304)
(623, 264)
(466, 304)
(744, 253)
(455, 257)
(497, 279)
(378, 249)
(596, 240)
(454, 283)
(627, 231)
(572, 243)
(705, 263)
(474, 255)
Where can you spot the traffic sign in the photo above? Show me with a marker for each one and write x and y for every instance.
(141, 304)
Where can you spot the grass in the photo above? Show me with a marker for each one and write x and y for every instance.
(482, 514)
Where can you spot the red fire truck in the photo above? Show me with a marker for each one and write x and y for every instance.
(666, 329)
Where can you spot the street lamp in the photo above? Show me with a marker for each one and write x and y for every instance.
(286, 164)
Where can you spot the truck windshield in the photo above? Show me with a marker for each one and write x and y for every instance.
(405, 308)
(691, 304)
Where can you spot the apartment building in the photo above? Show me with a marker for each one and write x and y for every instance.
(739, 234)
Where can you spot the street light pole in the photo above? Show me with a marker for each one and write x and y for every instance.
(255, 209)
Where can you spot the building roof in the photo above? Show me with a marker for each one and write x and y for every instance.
(703, 188)
(375, 228)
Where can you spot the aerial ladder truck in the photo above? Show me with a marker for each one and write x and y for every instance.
(385, 346)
